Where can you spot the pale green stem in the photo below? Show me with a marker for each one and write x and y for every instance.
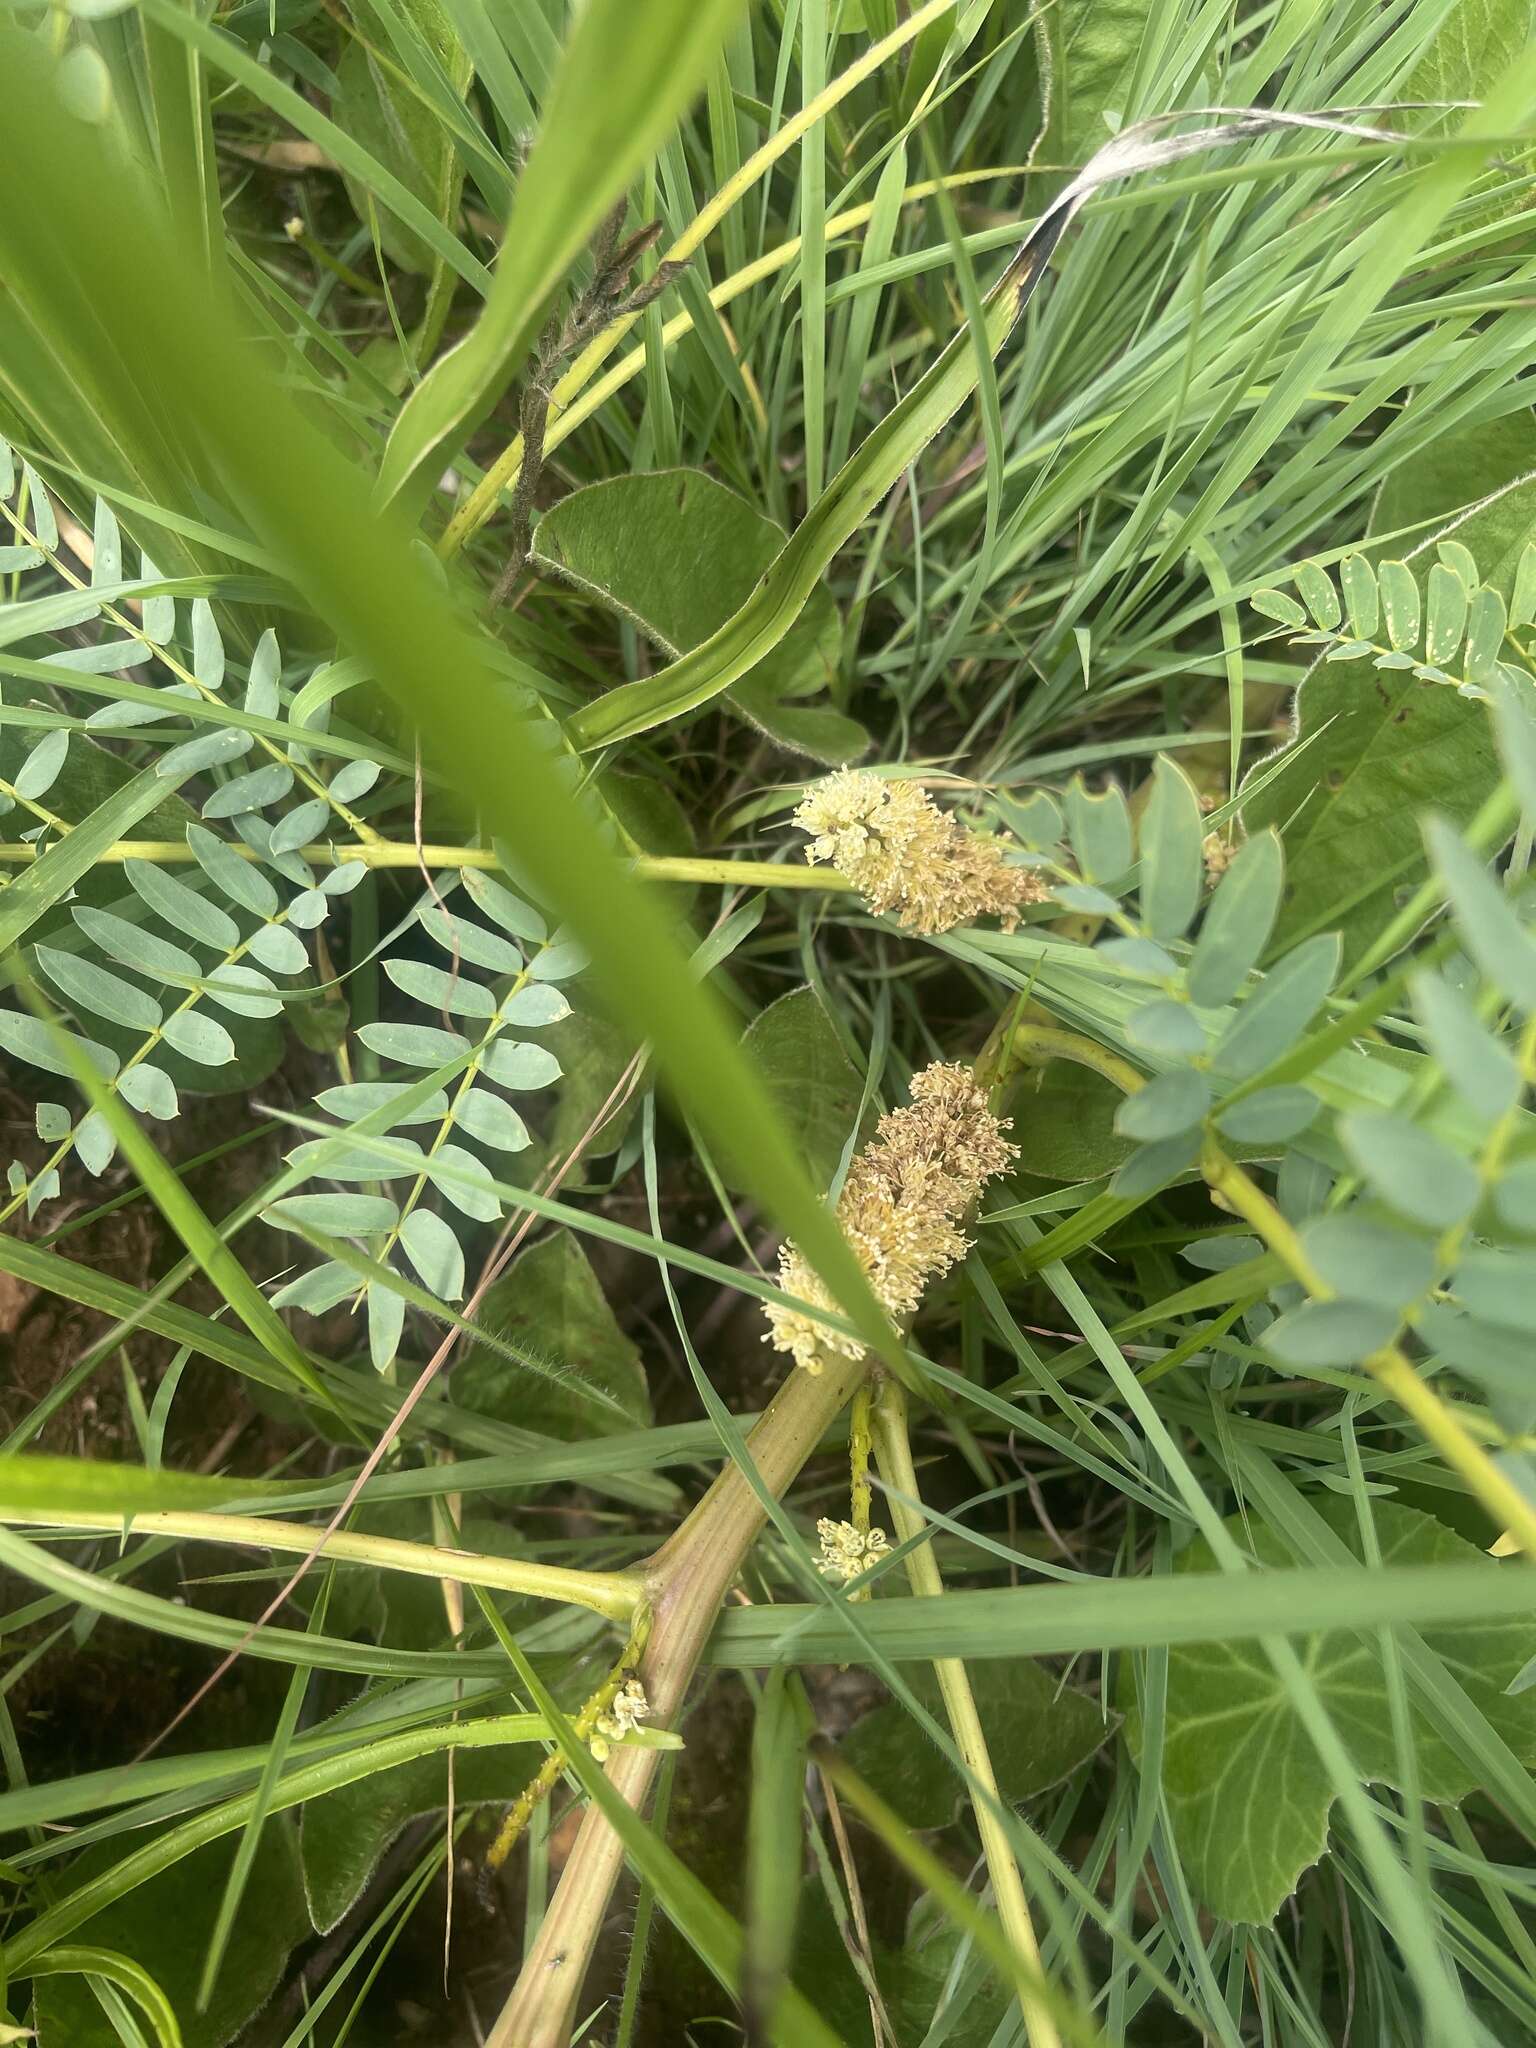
(394, 853)
(1390, 1367)
(614, 1594)
(893, 1454)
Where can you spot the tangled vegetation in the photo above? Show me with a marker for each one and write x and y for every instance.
(767, 776)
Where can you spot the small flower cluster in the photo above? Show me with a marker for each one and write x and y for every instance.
(900, 1208)
(847, 1551)
(628, 1706)
(903, 854)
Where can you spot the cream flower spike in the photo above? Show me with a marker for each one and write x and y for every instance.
(900, 1208)
(847, 1551)
(903, 854)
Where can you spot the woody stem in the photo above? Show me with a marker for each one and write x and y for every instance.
(686, 1580)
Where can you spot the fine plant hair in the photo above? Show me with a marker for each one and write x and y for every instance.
(766, 792)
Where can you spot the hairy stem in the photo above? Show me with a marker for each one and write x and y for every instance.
(687, 1580)
(893, 1452)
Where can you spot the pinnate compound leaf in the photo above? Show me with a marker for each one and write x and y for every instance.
(1248, 1797)
(678, 554)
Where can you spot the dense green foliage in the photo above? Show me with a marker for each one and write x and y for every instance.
(466, 471)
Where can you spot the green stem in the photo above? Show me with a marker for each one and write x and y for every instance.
(893, 1452)
(394, 853)
(617, 1595)
(1025, 1044)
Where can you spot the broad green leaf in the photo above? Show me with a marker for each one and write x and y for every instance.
(550, 1307)
(164, 1926)
(1247, 1794)
(625, 77)
(1089, 50)
(1464, 465)
(677, 554)
(1371, 754)
(1037, 1731)
(1064, 1123)
(346, 1833)
(800, 1057)
(381, 113)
